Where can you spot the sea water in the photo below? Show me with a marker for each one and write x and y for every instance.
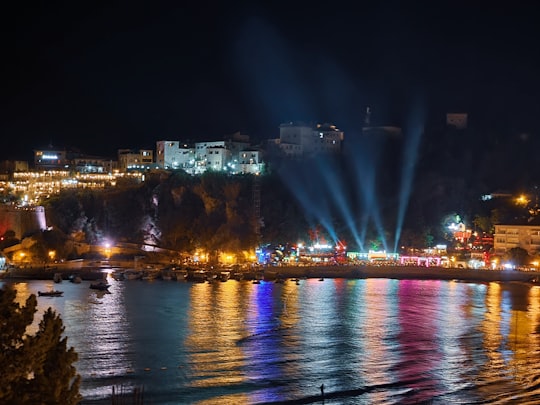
(368, 341)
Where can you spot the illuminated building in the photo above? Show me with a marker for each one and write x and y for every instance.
(50, 159)
(129, 159)
(526, 237)
(249, 161)
(297, 139)
(174, 155)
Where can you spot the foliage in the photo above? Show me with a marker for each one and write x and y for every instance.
(36, 369)
(518, 256)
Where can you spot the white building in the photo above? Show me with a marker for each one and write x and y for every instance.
(249, 161)
(233, 155)
(174, 155)
(215, 157)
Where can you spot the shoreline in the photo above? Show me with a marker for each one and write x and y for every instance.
(402, 273)
(291, 272)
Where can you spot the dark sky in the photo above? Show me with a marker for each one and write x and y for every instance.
(107, 75)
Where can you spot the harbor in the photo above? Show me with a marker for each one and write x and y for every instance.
(93, 272)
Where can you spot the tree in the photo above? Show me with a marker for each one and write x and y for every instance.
(36, 369)
(518, 256)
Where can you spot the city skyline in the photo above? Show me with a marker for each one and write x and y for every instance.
(128, 74)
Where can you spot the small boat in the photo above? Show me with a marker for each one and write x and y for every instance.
(101, 286)
(321, 279)
(52, 293)
(57, 278)
(256, 281)
(118, 275)
(132, 274)
(75, 279)
(149, 275)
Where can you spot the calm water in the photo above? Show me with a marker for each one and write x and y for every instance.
(369, 341)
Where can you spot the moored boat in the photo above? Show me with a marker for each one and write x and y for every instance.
(100, 285)
(132, 274)
(52, 293)
(118, 275)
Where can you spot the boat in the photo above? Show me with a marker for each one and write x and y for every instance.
(57, 278)
(256, 281)
(118, 275)
(100, 285)
(224, 275)
(132, 274)
(150, 275)
(75, 279)
(52, 293)
(180, 275)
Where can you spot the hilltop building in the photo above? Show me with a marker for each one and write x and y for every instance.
(129, 159)
(174, 155)
(301, 140)
(233, 154)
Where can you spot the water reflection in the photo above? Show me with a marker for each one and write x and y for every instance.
(368, 341)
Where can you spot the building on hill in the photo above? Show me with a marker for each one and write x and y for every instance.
(232, 154)
(135, 160)
(300, 140)
(175, 155)
(51, 159)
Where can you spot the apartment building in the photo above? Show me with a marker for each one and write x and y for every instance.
(526, 237)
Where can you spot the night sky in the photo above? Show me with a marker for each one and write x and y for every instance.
(113, 75)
